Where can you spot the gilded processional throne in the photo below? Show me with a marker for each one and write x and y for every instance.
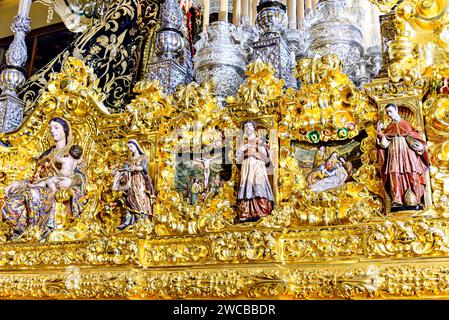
(278, 195)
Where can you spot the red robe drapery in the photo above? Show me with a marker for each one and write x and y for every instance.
(401, 167)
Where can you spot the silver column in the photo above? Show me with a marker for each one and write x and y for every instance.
(276, 44)
(221, 57)
(12, 76)
(166, 66)
(334, 30)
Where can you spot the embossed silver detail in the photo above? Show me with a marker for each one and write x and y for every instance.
(335, 29)
(296, 40)
(271, 20)
(221, 57)
(170, 63)
(12, 76)
(169, 73)
(17, 52)
(277, 45)
(169, 43)
(245, 36)
(11, 112)
(171, 15)
(169, 40)
(374, 60)
(277, 52)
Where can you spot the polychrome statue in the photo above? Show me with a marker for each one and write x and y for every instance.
(135, 183)
(32, 202)
(255, 197)
(403, 161)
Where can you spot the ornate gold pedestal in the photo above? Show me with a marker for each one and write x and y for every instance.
(393, 259)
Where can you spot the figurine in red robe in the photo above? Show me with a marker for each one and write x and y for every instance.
(403, 160)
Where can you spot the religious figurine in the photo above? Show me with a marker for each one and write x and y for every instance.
(32, 202)
(67, 173)
(255, 197)
(319, 158)
(135, 183)
(445, 88)
(214, 187)
(206, 162)
(403, 161)
(329, 174)
(195, 189)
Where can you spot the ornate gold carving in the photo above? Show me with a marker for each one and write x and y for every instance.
(427, 45)
(328, 106)
(151, 107)
(101, 251)
(299, 247)
(197, 119)
(355, 282)
(257, 95)
(245, 246)
(301, 250)
(404, 238)
(383, 89)
(177, 251)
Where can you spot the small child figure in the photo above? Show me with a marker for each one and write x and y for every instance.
(68, 165)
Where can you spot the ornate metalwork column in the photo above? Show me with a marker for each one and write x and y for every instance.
(273, 47)
(334, 30)
(166, 66)
(12, 76)
(221, 57)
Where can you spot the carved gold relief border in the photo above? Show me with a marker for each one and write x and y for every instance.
(410, 237)
(372, 280)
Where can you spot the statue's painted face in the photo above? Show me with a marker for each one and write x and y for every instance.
(392, 112)
(57, 131)
(132, 148)
(249, 128)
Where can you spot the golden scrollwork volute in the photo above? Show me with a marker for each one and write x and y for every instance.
(385, 5)
(435, 109)
(328, 106)
(150, 108)
(421, 42)
(258, 95)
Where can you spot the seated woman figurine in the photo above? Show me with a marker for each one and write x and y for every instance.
(27, 204)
